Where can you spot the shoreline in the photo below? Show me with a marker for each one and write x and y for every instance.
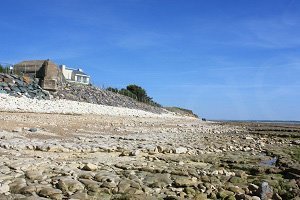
(260, 121)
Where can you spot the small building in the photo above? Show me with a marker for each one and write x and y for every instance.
(45, 70)
(75, 75)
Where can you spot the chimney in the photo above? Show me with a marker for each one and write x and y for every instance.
(63, 67)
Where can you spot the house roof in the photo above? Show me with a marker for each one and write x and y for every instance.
(77, 72)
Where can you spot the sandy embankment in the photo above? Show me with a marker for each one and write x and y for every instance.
(24, 104)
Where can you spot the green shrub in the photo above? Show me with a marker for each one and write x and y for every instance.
(135, 92)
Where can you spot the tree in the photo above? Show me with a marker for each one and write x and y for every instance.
(127, 93)
(139, 92)
(135, 92)
(112, 89)
(4, 69)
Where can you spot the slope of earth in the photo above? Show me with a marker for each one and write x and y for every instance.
(91, 94)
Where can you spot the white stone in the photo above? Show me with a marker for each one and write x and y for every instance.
(24, 104)
(4, 188)
(17, 130)
(90, 167)
(180, 150)
(135, 153)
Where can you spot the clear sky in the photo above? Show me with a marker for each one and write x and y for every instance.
(223, 59)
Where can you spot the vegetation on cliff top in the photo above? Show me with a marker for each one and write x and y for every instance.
(136, 92)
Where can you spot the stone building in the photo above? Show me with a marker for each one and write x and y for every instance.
(45, 70)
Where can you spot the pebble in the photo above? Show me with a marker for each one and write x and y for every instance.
(135, 152)
(33, 129)
(265, 191)
(4, 188)
(181, 150)
(90, 167)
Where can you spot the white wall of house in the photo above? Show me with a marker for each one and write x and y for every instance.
(66, 72)
(82, 79)
(79, 78)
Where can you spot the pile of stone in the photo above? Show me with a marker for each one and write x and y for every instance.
(21, 86)
(91, 94)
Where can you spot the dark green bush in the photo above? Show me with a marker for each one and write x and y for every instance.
(135, 92)
(4, 69)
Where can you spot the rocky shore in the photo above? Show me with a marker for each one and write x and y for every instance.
(101, 156)
(95, 95)
(21, 86)
(24, 86)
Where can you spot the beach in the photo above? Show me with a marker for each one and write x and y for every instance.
(102, 152)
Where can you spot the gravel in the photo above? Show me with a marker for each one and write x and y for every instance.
(61, 106)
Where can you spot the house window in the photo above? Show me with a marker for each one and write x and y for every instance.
(78, 78)
(84, 79)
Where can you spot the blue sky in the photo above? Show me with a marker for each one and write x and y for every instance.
(222, 59)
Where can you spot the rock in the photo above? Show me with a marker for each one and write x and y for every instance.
(4, 188)
(31, 189)
(68, 185)
(181, 150)
(158, 180)
(159, 149)
(20, 86)
(184, 181)
(32, 129)
(123, 186)
(86, 175)
(17, 130)
(17, 185)
(236, 180)
(247, 149)
(80, 196)
(200, 197)
(265, 191)
(135, 153)
(125, 153)
(34, 175)
(236, 189)
(91, 185)
(253, 187)
(277, 197)
(232, 197)
(224, 194)
(243, 197)
(296, 142)
(91, 94)
(189, 191)
(55, 148)
(241, 174)
(107, 178)
(90, 167)
(51, 193)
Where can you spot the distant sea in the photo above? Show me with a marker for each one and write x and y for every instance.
(262, 121)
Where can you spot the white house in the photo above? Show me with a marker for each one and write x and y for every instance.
(75, 75)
